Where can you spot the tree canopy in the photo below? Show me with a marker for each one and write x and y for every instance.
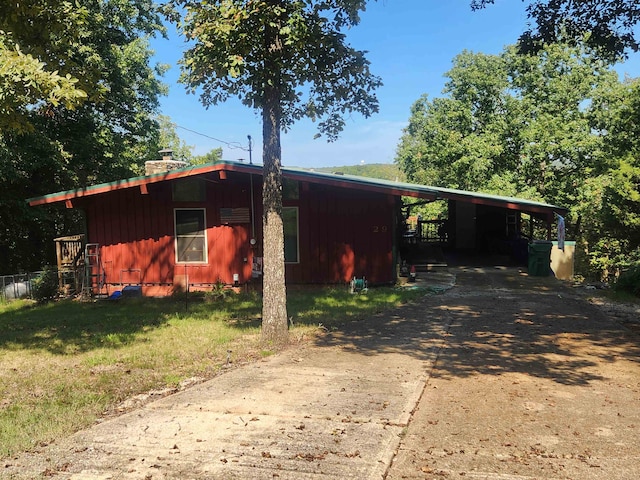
(609, 27)
(557, 126)
(92, 120)
(610, 204)
(317, 75)
(57, 53)
(289, 60)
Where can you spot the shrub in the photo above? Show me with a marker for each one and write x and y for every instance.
(218, 292)
(45, 286)
(629, 281)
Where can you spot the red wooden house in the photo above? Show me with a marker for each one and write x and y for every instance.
(202, 224)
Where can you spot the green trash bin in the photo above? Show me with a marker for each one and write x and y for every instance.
(540, 258)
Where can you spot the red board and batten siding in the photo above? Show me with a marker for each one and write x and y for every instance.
(342, 233)
(136, 233)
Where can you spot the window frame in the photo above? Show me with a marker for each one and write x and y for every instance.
(205, 251)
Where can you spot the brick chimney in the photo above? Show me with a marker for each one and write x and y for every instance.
(167, 163)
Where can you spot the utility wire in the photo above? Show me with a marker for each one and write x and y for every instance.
(232, 145)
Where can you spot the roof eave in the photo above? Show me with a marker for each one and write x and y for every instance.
(126, 183)
(343, 181)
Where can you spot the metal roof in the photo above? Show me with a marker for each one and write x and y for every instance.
(334, 179)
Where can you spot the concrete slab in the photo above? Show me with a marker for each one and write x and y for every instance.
(534, 383)
(312, 412)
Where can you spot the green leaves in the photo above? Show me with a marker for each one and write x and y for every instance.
(556, 126)
(78, 97)
(607, 27)
(25, 81)
(461, 141)
(306, 60)
(510, 113)
(57, 54)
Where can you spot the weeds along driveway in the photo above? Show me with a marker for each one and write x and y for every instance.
(534, 382)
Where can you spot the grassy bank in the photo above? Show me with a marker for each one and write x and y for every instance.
(65, 364)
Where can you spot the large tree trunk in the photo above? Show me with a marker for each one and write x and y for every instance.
(274, 301)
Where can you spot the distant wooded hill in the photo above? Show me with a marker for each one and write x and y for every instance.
(383, 171)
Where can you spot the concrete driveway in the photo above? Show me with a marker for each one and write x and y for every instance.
(502, 376)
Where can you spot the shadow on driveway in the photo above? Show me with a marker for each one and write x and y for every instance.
(500, 320)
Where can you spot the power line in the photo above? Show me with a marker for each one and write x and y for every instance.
(232, 145)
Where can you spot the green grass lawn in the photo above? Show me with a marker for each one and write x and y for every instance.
(65, 364)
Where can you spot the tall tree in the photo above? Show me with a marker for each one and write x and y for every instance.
(169, 138)
(288, 59)
(533, 126)
(611, 204)
(607, 26)
(102, 51)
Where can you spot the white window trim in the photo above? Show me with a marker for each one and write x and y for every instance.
(175, 237)
(297, 234)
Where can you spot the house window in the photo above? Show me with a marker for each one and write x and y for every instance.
(191, 235)
(290, 221)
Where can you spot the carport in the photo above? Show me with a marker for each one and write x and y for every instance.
(477, 224)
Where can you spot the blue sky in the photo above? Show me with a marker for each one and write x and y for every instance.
(411, 44)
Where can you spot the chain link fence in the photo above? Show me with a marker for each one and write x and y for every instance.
(19, 285)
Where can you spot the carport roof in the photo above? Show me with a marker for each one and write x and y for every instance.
(334, 179)
(423, 191)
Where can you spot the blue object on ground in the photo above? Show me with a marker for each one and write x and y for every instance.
(132, 291)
